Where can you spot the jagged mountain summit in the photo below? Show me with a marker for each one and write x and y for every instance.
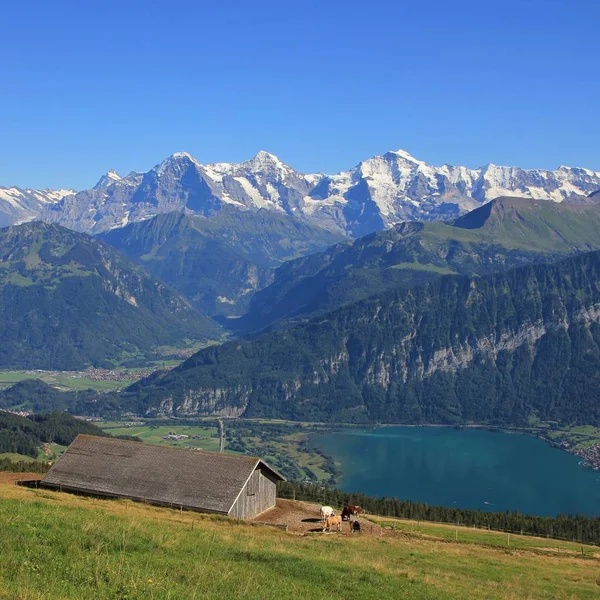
(18, 205)
(376, 194)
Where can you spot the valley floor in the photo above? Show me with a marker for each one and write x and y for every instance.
(61, 547)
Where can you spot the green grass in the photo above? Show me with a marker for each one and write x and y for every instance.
(16, 457)
(535, 230)
(417, 266)
(483, 537)
(55, 451)
(10, 377)
(579, 437)
(151, 434)
(57, 546)
(71, 381)
(83, 383)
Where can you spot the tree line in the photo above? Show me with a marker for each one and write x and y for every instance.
(569, 527)
(25, 435)
(23, 466)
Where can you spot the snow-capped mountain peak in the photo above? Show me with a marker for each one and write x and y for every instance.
(264, 156)
(108, 179)
(178, 161)
(20, 205)
(406, 156)
(177, 155)
(265, 161)
(377, 193)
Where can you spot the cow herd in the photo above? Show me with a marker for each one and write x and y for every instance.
(333, 522)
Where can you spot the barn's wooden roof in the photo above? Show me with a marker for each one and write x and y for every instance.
(161, 474)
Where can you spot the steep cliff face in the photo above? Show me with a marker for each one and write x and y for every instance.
(493, 349)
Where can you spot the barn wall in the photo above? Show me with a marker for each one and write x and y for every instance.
(257, 496)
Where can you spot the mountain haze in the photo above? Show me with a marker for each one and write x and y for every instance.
(218, 263)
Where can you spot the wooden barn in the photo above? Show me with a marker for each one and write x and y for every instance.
(237, 486)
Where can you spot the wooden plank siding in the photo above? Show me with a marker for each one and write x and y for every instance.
(257, 496)
(239, 486)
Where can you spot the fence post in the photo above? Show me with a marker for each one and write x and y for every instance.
(508, 539)
(456, 536)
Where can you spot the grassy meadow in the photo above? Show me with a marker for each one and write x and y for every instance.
(58, 546)
(16, 457)
(154, 434)
(470, 535)
(67, 380)
(48, 452)
(579, 437)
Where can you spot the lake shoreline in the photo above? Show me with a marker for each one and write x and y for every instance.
(437, 464)
(590, 455)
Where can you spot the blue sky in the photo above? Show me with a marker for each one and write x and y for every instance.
(86, 87)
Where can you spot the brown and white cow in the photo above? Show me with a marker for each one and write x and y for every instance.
(332, 523)
(350, 510)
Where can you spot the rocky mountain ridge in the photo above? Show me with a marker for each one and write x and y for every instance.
(374, 195)
(20, 205)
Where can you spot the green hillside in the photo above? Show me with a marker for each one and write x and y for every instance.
(61, 546)
(496, 349)
(218, 263)
(25, 435)
(34, 395)
(68, 301)
(505, 233)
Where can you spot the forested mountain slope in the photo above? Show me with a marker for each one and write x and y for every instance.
(25, 435)
(68, 301)
(505, 233)
(218, 263)
(494, 349)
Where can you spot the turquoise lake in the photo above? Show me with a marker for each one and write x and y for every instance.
(467, 468)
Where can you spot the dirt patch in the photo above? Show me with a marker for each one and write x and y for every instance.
(304, 517)
(11, 478)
